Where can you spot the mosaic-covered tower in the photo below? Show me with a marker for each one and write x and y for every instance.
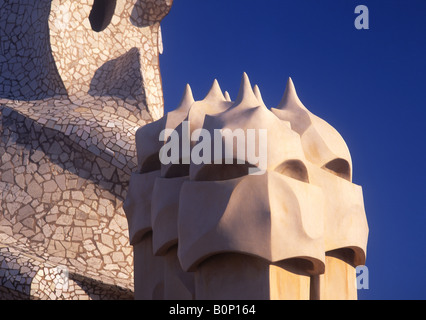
(77, 78)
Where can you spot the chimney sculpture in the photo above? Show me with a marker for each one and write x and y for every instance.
(290, 227)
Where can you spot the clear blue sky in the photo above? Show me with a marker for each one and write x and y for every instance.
(369, 84)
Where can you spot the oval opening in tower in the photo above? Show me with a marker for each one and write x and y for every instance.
(152, 163)
(222, 172)
(177, 170)
(295, 169)
(101, 15)
(339, 167)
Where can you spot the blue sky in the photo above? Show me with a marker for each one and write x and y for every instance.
(369, 84)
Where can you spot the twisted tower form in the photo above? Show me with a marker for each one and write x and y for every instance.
(295, 229)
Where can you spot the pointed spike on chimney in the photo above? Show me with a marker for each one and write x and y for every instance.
(187, 99)
(290, 96)
(227, 96)
(246, 93)
(215, 92)
(258, 95)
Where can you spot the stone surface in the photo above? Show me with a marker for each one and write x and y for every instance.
(294, 228)
(53, 48)
(25, 277)
(71, 100)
